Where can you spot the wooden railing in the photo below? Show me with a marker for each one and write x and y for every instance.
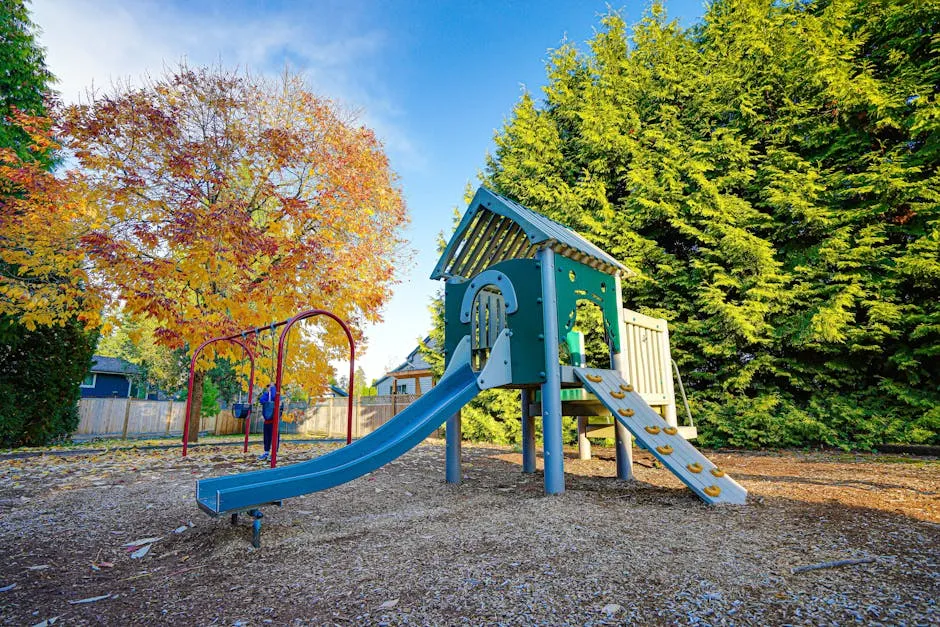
(647, 361)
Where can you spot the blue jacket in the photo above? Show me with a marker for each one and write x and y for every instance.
(267, 396)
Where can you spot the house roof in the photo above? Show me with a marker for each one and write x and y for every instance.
(495, 229)
(414, 362)
(112, 365)
(338, 391)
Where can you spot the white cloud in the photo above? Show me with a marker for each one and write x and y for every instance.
(103, 40)
(100, 42)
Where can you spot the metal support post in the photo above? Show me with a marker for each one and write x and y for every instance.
(452, 450)
(528, 433)
(553, 454)
(624, 451)
(256, 527)
(624, 440)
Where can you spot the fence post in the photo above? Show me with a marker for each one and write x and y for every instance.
(358, 408)
(169, 417)
(127, 415)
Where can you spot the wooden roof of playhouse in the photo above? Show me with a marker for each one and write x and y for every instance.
(495, 229)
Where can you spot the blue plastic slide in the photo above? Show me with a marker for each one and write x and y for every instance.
(241, 492)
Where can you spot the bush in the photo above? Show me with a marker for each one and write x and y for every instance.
(39, 381)
(495, 416)
(210, 398)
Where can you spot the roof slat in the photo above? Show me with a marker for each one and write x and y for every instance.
(512, 242)
(479, 245)
(513, 253)
(488, 256)
(456, 246)
(472, 240)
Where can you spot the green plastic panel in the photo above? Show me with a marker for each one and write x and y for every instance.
(575, 341)
(527, 323)
(576, 281)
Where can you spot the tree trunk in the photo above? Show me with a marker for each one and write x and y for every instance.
(195, 417)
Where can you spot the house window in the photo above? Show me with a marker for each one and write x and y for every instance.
(89, 381)
(401, 388)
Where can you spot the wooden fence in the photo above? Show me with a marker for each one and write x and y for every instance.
(131, 418)
(124, 417)
(327, 417)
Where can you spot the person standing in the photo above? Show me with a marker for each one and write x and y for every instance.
(267, 400)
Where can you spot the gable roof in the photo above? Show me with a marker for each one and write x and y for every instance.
(338, 391)
(414, 362)
(112, 365)
(495, 229)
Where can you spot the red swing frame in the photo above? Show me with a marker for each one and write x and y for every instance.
(287, 324)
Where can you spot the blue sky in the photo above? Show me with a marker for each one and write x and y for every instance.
(435, 79)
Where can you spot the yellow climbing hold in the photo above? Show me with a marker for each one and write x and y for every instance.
(626, 388)
(695, 467)
(712, 490)
(617, 395)
(652, 430)
(625, 412)
(594, 378)
(670, 431)
(665, 450)
(718, 472)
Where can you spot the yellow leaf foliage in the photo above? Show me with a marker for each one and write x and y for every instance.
(222, 201)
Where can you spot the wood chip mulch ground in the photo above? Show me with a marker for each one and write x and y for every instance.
(401, 547)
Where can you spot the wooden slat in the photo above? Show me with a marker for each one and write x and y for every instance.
(492, 242)
(669, 388)
(484, 242)
(483, 219)
(510, 240)
(476, 241)
(521, 245)
(648, 362)
(462, 247)
(642, 320)
(647, 356)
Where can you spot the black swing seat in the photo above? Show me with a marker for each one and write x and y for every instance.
(240, 411)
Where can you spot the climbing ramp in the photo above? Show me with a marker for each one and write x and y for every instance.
(709, 482)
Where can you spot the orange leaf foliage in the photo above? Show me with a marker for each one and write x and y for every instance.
(43, 280)
(227, 202)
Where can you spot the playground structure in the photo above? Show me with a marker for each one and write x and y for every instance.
(513, 282)
(241, 339)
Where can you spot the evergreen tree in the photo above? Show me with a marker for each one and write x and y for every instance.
(24, 79)
(42, 368)
(771, 175)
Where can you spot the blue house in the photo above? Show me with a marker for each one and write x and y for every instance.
(109, 377)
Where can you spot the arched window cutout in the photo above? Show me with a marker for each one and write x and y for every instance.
(590, 321)
(488, 319)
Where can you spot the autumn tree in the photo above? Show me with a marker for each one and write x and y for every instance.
(135, 340)
(226, 201)
(45, 343)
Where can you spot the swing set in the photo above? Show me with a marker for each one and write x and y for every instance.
(241, 339)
